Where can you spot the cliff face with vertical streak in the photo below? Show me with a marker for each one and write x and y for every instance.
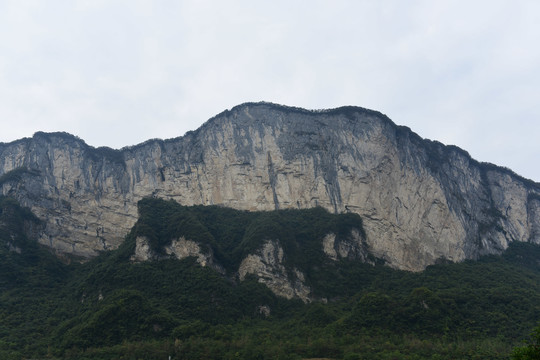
(420, 201)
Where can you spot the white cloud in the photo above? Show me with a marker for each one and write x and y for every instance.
(118, 72)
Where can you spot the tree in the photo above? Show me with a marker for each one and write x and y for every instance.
(531, 351)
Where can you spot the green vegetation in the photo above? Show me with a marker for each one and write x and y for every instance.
(112, 308)
(16, 175)
(104, 152)
(234, 234)
(531, 350)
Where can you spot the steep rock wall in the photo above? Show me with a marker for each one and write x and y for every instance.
(421, 201)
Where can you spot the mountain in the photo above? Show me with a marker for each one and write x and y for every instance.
(266, 234)
(420, 202)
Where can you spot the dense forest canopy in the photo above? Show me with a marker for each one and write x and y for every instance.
(111, 307)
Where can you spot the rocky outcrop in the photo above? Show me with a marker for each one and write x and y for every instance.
(352, 247)
(267, 264)
(178, 249)
(420, 201)
(143, 252)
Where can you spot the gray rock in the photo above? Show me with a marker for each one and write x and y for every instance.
(267, 264)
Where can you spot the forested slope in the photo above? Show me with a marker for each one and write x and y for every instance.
(112, 307)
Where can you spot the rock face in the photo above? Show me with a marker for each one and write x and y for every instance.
(353, 247)
(420, 201)
(268, 266)
(178, 249)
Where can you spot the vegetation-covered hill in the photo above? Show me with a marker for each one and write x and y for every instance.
(113, 308)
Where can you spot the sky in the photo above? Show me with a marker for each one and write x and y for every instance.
(116, 73)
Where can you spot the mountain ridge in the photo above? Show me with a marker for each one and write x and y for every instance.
(285, 108)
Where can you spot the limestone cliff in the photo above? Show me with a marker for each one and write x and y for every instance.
(420, 201)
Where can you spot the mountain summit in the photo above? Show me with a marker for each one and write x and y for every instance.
(420, 201)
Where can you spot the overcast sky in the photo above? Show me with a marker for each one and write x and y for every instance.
(116, 73)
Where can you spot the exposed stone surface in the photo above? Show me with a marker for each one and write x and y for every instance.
(143, 252)
(182, 248)
(329, 246)
(264, 310)
(420, 201)
(178, 248)
(352, 247)
(14, 248)
(268, 266)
